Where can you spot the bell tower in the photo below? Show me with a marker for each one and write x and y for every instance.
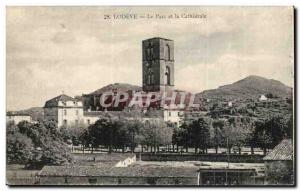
(158, 64)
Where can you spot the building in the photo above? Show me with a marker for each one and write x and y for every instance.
(262, 98)
(158, 64)
(173, 114)
(107, 175)
(223, 176)
(17, 118)
(67, 111)
(279, 164)
(158, 77)
(64, 110)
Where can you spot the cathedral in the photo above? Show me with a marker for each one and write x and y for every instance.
(157, 73)
(158, 77)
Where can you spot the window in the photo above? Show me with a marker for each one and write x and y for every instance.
(65, 122)
(119, 181)
(169, 113)
(149, 79)
(168, 76)
(88, 121)
(66, 180)
(76, 122)
(92, 180)
(168, 56)
(150, 76)
(76, 112)
(65, 112)
(152, 180)
(149, 52)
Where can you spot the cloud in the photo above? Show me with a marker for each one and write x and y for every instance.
(50, 49)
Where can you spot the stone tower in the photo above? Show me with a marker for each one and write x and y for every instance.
(158, 64)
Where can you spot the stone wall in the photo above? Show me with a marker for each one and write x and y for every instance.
(118, 181)
(203, 157)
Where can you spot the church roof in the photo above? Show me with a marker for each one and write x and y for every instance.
(283, 151)
(158, 38)
(54, 101)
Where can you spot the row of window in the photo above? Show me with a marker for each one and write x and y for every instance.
(65, 122)
(75, 103)
(170, 114)
(151, 181)
(167, 79)
(65, 112)
(149, 51)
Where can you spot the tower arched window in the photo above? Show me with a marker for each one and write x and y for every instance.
(168, 76)
(150, 77)
(168, 54)
(150, 52)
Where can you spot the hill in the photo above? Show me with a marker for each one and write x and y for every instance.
(36, 113)
(249, 87)
(117, 87)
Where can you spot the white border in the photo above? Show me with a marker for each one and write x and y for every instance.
(5, 3)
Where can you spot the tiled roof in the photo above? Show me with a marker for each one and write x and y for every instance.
(54, 101)
(283, 151)
(131, 171)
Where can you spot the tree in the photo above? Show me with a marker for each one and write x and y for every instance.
(134, 129)
(218, 134)
(55, 153)
(166, 135)
(181, 136)
(268, 133)
(19, 147)
(73, 134)
(236, 134)
(36, 145)
(100, 133)
(155, 133)
(112, 133)
(200, 135)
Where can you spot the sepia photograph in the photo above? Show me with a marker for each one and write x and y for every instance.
(175, 96)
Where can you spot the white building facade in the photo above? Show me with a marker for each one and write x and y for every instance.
(66, 111)
(17, 118)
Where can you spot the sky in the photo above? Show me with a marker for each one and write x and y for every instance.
(50, 50)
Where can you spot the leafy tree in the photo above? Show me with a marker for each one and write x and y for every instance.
(269, 133)
(235, 134)
(218, 134)
(200, 135)
(155, 134)
(181, 136)
(72, 134)
(36, 145)
(134, 129)
(19, 147)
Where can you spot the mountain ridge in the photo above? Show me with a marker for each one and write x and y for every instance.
(250, 87)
